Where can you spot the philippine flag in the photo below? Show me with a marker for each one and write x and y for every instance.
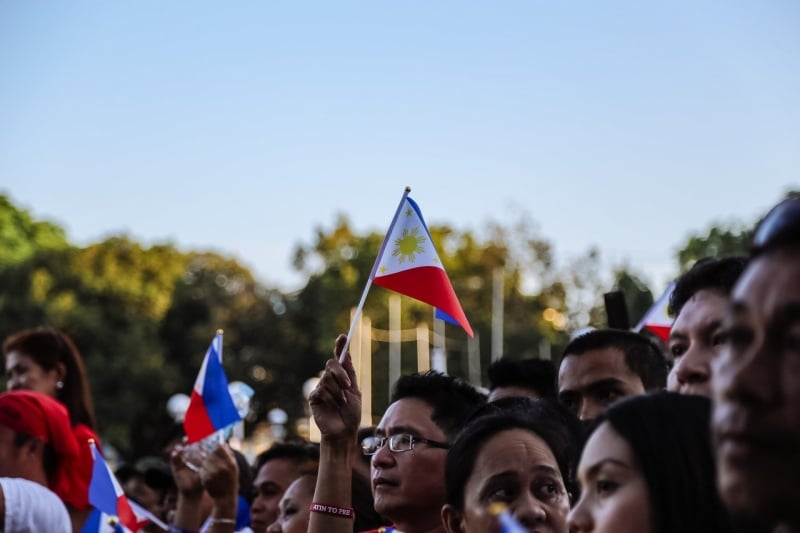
(410, 265)
(111, 505)
(508, 524)
(100, 522)
(656, 318)
(211, 407)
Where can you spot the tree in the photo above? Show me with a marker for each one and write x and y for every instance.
(338, 264)
(21, 236)
(638, 297)
(719, 241)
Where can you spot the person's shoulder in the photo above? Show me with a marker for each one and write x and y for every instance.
(33, 507)
(84, 433)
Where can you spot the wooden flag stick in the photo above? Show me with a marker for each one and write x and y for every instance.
(360, 307)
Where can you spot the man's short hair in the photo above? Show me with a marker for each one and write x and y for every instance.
(643, 356)
(707, 273)
(536, 374)
(780, 228)
(304, 455)
(451, 399)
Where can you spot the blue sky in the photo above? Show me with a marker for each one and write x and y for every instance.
(242, 126)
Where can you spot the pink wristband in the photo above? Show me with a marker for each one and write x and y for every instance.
(344, 512)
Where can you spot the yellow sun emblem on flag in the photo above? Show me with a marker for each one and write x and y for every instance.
(408, 245)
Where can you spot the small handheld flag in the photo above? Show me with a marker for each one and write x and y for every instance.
(656, 318)
(508, 524)
(211, 407)
(410, 265)
(106, 494)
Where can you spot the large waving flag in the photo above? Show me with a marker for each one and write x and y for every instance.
(409, 264)
(211, 407)
(105, 493)
(656, 318)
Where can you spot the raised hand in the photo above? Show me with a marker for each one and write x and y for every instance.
(336, 401)
(187, 480)
(220, 474)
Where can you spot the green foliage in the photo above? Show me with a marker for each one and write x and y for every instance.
(21, 236)
(638, 297)
(338, 263)
(718, 242)
(143, 317)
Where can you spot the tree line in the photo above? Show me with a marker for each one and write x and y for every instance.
(143, 316)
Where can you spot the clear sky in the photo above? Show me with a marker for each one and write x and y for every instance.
(241, 126)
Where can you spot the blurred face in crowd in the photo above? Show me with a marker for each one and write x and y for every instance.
(588, 383)
(409, 486)
(272, 480)
(294, 506)
(23, 373)
(148, 497)
(12, 457)
(614, 494)
(756, 386)
(695, 340)
(515, 468)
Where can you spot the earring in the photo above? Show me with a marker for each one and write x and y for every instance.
(59, 384)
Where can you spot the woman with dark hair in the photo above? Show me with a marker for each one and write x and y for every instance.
(648, 468)
(46, 360)
(519, 453)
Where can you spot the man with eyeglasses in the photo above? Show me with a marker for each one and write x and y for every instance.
(756, 379)
(408, 450)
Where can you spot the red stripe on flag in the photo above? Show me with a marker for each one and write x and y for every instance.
(661, 331)
(429, 285)
(197, 424)
(126, 515)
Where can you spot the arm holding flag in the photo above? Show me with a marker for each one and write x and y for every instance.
(336, 407)
(220, 478)
(190, 493)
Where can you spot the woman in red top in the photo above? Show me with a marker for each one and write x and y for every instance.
(46, 360)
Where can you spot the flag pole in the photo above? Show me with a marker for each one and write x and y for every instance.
(357, 313)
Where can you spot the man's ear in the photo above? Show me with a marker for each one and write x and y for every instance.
(33, 448)
(452, 519)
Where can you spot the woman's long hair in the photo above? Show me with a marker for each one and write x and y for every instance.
(48, 347)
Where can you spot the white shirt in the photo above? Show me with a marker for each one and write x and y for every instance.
(32, 508)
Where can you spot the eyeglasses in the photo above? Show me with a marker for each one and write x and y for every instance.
(399, 442)
(781, 227)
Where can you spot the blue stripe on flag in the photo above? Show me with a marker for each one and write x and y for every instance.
(93, 523)
(102, 493)
(216, 397)
(441, 315)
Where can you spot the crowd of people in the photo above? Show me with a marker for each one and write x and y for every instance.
(701, 434)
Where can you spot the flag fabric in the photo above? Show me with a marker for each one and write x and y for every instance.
(410, 265)
(656, 318)
(508, 524)
(100, 522)
(441, 315)
(106, 495)
(211, 406)
(145, 517)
